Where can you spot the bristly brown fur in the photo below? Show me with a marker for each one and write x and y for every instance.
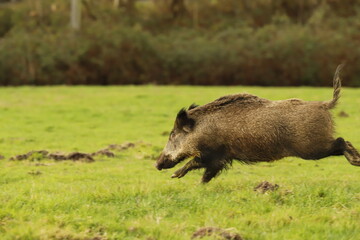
(250, 129)
(181, 113)
(192, 106)
(234, 99)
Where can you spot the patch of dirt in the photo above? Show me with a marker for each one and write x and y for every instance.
(104, 152)
(74, 156)
(41, 164)
(265, 186)
(30, 155)
(35, 173)
(166, 133)
(343, 114)
(132, 229)
(78, 156)
(43, 152)
(69, 236)
(109, 150)
(2, 157)
(18, 157)
(217, 232)
(121, 147)
(57, 156)
(151, 156)
(38, 155)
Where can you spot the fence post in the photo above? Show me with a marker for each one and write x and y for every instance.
(75, 16)
(116, 3)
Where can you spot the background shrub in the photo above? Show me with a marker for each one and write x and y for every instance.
(230, 42)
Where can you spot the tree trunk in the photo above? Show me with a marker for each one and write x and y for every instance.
(128, 5)
(178, 8)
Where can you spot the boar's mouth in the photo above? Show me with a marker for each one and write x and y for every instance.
(164, 162)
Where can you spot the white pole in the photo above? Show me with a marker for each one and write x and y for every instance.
(75, 18)
(196, 14)
(116, 3)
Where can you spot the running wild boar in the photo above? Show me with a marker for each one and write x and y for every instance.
(251, 129)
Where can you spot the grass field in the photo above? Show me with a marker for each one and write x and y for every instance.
(127, 198)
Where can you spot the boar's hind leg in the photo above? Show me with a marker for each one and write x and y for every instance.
(191, 165)
(342, 147)
(351, 154)
(335, 148)
(338, 147)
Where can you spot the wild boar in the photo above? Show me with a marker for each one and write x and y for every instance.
(251, 129)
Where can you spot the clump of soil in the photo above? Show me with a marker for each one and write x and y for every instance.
(74, 156)
(217, 232)
(108, 151)
(2, 157)
(121, 147)
(31, 155)
(35, 173)
(77, 156)
(19, 157)
(265, 186)
(343, 114)
(57, 156)
(38, 155)
(104, 152)
(41, 164)
(166, 133)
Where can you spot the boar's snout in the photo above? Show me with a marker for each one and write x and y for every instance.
(164, 161)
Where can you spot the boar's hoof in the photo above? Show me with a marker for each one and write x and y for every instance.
(351, 154)
(179, 173)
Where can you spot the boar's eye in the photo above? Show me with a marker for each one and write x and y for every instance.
(172, 134)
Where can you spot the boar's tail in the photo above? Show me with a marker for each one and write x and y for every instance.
(337, 87)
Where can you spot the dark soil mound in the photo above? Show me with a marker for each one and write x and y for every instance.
(104, 152)
(265, 186)
(218, 232)
(121, 147)
(78, 156)
(31, 154)
(343, 114)
(74, 156)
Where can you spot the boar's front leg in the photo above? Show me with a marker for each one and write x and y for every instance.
(195, 163)
(212, 169)
(209, 174)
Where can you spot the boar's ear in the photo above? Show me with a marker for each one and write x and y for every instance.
(192, 106)
(183, 121)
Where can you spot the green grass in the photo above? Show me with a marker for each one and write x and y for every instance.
(127, 198)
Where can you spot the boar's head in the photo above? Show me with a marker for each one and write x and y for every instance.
(180, 144)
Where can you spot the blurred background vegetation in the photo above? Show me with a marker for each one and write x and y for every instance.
(201, 42)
